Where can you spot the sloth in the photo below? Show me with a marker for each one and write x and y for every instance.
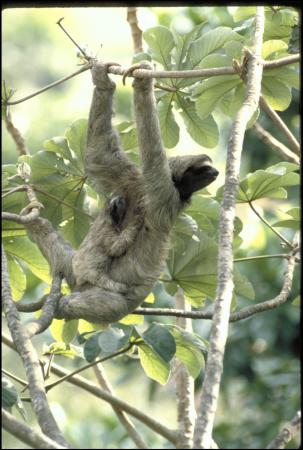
(123, 254)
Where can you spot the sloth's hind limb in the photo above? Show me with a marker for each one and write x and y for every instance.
(95, 305)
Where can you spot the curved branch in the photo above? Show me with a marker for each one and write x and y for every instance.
(218, 336)
(124, 419)
(30, 361)
(135, 30)
(280, 124)
(26, 434)
(142, 73)
(276, 145)
(287, 433)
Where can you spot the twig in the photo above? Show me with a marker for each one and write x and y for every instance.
(26, 434)
(270, 226)
(280, 124)
(276, 145)
(48, 310)
(13, 377)
(16, 135)
(143, 73)
(185, 386)
(90, 387)
(243, 313)
(136, 31)
(87, 366)
(72, 39)
(219, 330)
(31, 306)
(51, 85)
(287, 433)
(124, 419)
(30, 217)
(31, 362)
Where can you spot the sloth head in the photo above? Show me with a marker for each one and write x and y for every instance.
(191, 173)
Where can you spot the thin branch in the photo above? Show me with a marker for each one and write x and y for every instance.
(135, 30)
(14, 377)
(88, 386)
(51, 85)
(243, 313)
(270, 226)
(26, 434)
(218, 336)
(31, 306)
(48, 310)
(87, 366)
(280, 124)
(30, 361)
(123, 418)
(15, 134)
(291, 59)
(185, 386)
(143, 73)
(287, 433)
(276, 145)
(254, 258)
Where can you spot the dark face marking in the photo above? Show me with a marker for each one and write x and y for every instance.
(194, 179)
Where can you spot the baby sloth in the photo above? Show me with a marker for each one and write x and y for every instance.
(124, 252)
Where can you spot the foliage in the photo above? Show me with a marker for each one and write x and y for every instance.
(202, 105)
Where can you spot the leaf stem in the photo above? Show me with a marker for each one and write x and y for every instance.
(270, 226)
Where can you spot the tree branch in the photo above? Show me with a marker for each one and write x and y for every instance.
(88, 386)
(218, 336)
(143, 73)
(280, 124)
(15, 134)
(276, 145)
(184, 386)
(135, 30)
(30, 361)
(26, 434)
(122, 416)
(287, 433)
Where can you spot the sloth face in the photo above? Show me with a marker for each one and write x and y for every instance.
(192, 173)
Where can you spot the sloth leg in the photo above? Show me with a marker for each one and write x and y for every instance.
(95, 305)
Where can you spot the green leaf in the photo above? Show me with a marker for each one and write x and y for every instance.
(266, 183)
(132, 319)
(210, 92)
(112, 340)
(276, 93)
(182, 43)
(76, 229)
(17, 278)
(297, 301)
(293, 223)
(196, 269)
(189, 349)
(58, 144)
(9, 394)
(209, 43)
(153, 365)
(215, 60)
(273, 49)
(285, 75)
(243, 13)
(92, 348)
(63, 349)
(76, 136)
(160, 42)
(204, 132)
(142, 56)
(63, 331)
(24, 250)
(169, 127)
(160, 340)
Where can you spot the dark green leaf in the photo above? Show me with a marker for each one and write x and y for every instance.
(160, 340)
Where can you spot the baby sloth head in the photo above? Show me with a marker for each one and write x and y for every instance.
(191, 173)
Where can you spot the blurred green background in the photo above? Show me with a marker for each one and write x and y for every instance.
(260, 386)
